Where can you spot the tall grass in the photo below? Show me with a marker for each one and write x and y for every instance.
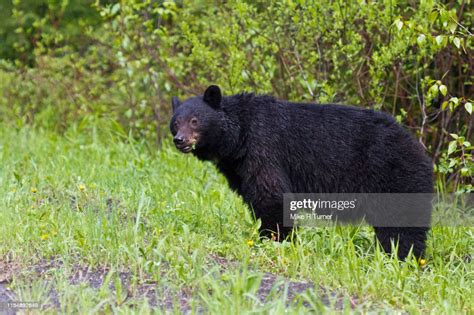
(97, 197)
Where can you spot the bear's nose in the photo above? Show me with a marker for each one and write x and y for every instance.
(178, 140)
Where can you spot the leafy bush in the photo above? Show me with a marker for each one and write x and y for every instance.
(413, 61)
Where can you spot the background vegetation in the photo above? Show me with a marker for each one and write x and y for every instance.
(66, 61)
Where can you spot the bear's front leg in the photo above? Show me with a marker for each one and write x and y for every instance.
(270, 213)
(264, 194)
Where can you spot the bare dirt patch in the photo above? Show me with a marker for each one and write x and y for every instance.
(157, 295)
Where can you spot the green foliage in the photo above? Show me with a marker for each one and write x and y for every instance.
(31, 27)
(411, 60)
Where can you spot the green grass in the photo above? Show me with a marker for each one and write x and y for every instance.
(104, 200)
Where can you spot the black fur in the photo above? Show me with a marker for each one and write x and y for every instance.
(266, 147)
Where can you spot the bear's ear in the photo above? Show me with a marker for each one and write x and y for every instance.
(175, 102)
(213, 96)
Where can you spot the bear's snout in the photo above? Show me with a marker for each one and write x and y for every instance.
(183, 143)
(178, 140)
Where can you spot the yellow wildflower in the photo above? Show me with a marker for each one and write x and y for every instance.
(44, 237)
(34, 190)
(250, 243)
(274, 237)
(82, 187)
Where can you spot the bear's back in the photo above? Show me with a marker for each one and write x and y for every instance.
(337, 148)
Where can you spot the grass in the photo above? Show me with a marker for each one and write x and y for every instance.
(95, 197)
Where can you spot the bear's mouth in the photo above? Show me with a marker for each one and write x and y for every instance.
(185, 148)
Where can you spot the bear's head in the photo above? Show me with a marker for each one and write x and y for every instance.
(196, 122)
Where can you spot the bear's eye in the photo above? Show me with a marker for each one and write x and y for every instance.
(175, 125)
(193, 122)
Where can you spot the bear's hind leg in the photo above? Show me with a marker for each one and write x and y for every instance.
(407, 237)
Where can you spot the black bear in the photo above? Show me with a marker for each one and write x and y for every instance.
(267, 147)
